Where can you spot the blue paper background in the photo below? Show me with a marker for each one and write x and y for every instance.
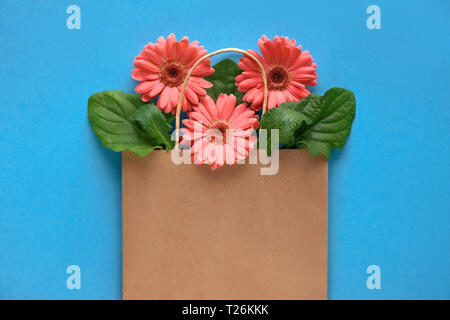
(60, 190)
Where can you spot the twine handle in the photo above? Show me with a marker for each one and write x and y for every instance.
(186, 80)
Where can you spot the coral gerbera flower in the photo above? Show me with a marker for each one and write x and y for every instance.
(289, 70)
(162, 68)
(220, 133)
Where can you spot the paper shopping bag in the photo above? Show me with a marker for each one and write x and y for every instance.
(232, 233)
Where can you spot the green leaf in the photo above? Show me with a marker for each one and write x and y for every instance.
(169, 117)
(110, 114)
(287, 121)
(135, 99)
(155, 124)
(305, 105)
(317, 123)
(137, 102)
(223, 80)
(332, 116)
(309, 102)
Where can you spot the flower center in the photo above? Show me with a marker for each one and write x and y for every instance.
(219, 131)
(277, 77)
(172, 73)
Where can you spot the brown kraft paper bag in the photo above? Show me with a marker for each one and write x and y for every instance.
(232, 233)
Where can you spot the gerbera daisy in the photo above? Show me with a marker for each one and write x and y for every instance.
(289, 70)
(220, 133)
(162, 68)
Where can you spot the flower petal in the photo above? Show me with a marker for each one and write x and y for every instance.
(146, 65)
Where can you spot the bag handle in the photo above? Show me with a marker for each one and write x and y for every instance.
(186, 80)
